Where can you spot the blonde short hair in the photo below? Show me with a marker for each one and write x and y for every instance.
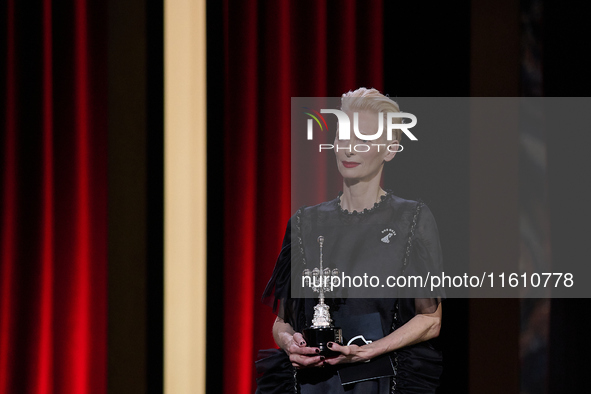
(364, 99)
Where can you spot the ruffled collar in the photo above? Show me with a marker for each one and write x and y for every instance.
(366, 210)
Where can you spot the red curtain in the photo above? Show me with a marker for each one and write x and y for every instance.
(53, 234)
(274, 51)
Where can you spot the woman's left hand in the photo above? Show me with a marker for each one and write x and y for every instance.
(349, 354)
(421, 327)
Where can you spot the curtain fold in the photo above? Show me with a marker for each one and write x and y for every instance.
(274, 51)
(53, 288)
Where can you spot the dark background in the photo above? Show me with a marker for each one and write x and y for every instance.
(458, 49)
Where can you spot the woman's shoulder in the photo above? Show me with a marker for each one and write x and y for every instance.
(402, 202)
(405, 207)
(323, 207)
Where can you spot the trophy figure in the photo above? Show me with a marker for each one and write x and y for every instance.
(322, 330)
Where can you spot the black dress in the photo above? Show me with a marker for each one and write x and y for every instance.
(396, 234)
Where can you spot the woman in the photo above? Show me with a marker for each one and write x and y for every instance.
(411, 246)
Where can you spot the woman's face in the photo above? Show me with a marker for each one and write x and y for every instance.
(360, 165)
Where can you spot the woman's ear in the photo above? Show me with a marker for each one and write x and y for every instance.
(392, 148)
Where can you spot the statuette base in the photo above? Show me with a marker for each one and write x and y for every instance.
(320, 336)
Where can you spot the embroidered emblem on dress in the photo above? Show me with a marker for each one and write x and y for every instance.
(390, 234)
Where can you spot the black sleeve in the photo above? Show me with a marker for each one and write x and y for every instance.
(277, 294)
(425, 260)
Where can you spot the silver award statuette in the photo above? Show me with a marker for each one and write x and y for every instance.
(322, 330)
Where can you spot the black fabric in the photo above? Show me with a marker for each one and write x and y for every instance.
(354, 238)
(275, 374)
(277, 294)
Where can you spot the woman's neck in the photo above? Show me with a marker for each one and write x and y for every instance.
(361, 195)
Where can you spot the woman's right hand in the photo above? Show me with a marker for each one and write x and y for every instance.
(302, 356)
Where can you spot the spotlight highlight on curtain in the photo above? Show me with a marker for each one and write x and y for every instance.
(53, 234)
(274, 51)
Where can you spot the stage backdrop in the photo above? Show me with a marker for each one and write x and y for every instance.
(275, 51)
(53, 229)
